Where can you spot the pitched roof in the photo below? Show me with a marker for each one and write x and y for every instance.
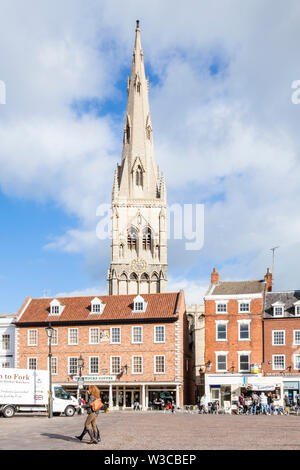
(288, 298)
(238, 288)
(117, 307)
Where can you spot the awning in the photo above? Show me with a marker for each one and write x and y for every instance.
(261, 387)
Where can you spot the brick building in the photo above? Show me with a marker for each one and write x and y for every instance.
(133, 347)
(233, 336)
(281, 331)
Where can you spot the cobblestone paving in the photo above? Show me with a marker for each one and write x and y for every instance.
(153, 430)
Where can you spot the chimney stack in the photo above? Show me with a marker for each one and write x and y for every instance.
(214, 277)
(268, 280)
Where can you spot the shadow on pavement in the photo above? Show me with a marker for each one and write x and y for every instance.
(61, 437)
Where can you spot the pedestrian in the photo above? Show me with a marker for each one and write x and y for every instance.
(254, 403)
(270, 403)
(263, 403)
(286, 402)
(203, 404)
(136, 405)
(90, 425)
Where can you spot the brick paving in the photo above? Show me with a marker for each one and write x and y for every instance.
(153, 430)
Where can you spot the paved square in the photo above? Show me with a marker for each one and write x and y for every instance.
(153, 430)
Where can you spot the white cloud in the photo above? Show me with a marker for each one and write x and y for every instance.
(231, 138)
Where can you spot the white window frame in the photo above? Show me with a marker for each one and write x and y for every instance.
(69, 369)
(244, 322)
(111, 335)
(221, 322)
(155, 335)
(28, 361)
(221, 302)
(56, 305)
(52, 339)
(90, 334)
(244, 353)
(132, 334)
(244, 302)
(54, 359)
(221, 353)
(36, 337)
(278, 355)
(297, 314)
(294, 361)
(278, 305)
(120, 364)
(2, 342)
(273, 335)
(139, 304)
(100, 306)
(132, 368)
(155, 364)
(294, 338)
(90, 365)
(69, 337)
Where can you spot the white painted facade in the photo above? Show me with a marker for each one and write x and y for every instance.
(7, 341)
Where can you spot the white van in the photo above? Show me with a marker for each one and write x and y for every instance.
(28, 390)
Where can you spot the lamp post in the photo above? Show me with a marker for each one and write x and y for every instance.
(80, 380)
(49, 331)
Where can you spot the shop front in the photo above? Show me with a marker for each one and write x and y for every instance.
(227, 388)
(120, 396)
(291, 389)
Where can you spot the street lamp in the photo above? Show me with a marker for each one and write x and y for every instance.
(80, 379)
(49, 331)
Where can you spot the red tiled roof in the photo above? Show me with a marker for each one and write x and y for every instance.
(117, 307)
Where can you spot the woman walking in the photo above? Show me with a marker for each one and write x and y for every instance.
(90, 425)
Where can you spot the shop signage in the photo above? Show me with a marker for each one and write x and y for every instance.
(261, 387)
(96, 378)
(291, 385)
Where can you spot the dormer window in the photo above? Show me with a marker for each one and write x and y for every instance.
(139, 304)
(297, 308)
(97, 306)
(278, 309)
(55, 307)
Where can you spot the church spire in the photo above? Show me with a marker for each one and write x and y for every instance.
(138, 175)
(139, 199)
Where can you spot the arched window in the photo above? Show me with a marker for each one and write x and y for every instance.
(147, 239)
(132, 238)
(139, 176)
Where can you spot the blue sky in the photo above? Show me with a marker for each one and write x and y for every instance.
(226, 135)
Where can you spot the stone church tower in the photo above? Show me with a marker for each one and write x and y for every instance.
(139, 228)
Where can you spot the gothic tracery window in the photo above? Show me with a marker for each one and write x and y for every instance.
(147, 239)
(139, 176)
(131, 238)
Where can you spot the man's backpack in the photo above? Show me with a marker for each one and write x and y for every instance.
(97, 404)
